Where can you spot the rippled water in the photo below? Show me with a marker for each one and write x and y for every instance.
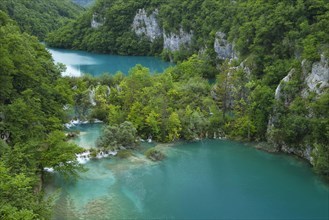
(211, 179)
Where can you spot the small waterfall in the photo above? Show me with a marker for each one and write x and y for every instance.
(105, 154)
(86, 156)
(83, 157)
(76, 122)
(149, 139)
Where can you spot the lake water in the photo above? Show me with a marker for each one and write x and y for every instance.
(81, 62)
(88, 134)
(210, 179)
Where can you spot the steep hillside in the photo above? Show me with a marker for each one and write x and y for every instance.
(39, 17)
(32, 96)
(265, 30)
(271, 56)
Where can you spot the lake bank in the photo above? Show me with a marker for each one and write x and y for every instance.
(203, 179)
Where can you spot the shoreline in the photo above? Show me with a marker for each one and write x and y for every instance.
(87, 155)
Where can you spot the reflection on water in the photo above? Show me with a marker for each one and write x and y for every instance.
(81, 62)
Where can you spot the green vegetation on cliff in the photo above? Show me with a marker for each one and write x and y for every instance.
(39, 17)
(114, 36)
(271, 38)
(262, 31)
(181, 104)
(32, 96)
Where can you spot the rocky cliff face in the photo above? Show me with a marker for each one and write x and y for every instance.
(174, 42)
(316, 79)
(279, 94)
(223, 48)
(147, 25)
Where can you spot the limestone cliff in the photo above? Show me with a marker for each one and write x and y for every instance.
(147, 25)
(315, 78)
(173, 41)
(223, 48)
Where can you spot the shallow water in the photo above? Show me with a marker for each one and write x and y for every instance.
(202, 180)
(89, 133)
(80, 62)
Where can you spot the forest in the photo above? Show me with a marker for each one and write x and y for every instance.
(39, 17)
(201, 97)
(271, 39)
(31, 123)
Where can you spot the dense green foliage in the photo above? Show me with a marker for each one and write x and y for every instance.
(165, 107)
(263, 31)
(123, 135)
(271, 38)
(32, 96)
(114, 36)
(181, 104)
(39, 17)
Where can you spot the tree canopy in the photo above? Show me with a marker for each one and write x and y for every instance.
(31, 120)
(39, 17)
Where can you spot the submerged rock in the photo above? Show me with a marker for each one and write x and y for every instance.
(154, 154)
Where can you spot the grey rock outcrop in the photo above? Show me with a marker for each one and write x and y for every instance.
(92, 96)
(274, 117)
(223, 48)
(278, 92)
(147, 25)
(174, 42)
(318, 79)
(304, 152)
(96, 22)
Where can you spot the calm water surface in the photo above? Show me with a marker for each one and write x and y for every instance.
(88, 134)
(81, 62)
(203, 180)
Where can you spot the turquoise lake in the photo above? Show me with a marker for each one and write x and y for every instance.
(212, 179)
(80, 62)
